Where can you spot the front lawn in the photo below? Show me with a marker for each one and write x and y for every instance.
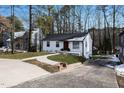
(69, 59)
(21, 55)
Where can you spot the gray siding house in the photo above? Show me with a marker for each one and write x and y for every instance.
(21, 40)
(121, 44)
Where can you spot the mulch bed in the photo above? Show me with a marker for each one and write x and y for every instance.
(47, 67)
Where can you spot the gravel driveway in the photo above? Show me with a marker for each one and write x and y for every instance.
(13, 72)
(84, 76)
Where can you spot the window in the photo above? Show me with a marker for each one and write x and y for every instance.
(75, 45)
(57, 44)
(86, 44)
(48, 43)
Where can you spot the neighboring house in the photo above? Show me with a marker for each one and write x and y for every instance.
(75, 43)
(21, 40)
(121, 44)
(18, 40)
(36, 38)
(4, 30)
(5, 36)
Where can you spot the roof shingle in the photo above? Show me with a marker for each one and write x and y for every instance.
(61, 37)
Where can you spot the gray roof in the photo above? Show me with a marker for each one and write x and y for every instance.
(61, 37)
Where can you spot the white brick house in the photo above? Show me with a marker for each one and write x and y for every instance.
(76, 43)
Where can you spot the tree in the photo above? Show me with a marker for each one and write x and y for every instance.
(73, 18)
(18, 23)
(12, 28)
(51, 18)
(30, 28)
(107, 37)
(87, 13)
(98, 15)
(44, 18)
(78, 15)
(115, 10)
(44, 22)
(113, 43)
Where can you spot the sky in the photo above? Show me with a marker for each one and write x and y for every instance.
(22, 12)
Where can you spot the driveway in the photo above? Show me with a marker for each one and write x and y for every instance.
(81, 76)
(13, 72)
(44, 59)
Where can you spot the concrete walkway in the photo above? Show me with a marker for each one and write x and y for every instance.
(13, 72)
(82, 76)
(44, 59)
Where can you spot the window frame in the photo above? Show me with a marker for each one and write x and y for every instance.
(48, 44)
(75, 46)
(57, 44)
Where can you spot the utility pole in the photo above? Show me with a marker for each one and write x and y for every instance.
(30, 28)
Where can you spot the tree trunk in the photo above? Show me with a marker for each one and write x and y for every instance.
(104, 37)
(99, 32)
(113, 43)
(12, 29)
(40, 40)
(30, 27)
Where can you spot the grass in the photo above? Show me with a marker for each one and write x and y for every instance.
(47, 67)
(21, 55)
(69, 59)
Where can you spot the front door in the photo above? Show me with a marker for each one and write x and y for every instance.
(65, 45)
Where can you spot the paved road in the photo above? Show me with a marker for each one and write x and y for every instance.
(13, 72)
(84, 76)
